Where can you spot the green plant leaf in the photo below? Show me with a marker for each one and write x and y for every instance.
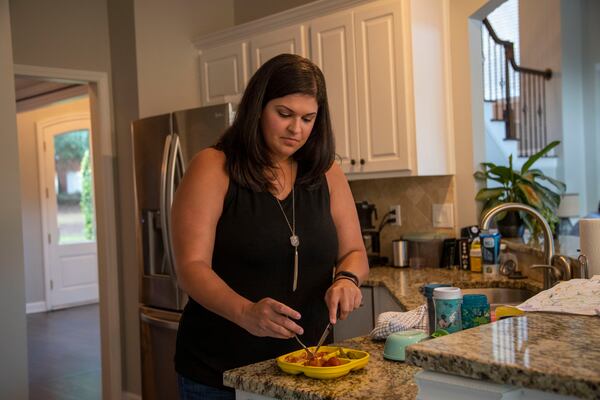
(560, 185)
(480, 176)
(550, 199)
(538, 155)
(504, 173)
(530, 196)
(486, 194)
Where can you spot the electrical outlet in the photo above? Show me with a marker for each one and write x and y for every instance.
(396, 215)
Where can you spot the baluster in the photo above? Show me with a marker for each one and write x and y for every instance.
(545, 115)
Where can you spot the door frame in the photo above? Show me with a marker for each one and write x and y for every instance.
(106, 233)
(40, 128)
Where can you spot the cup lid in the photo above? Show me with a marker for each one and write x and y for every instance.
(475, 300)
(447, 293)
(427, 290)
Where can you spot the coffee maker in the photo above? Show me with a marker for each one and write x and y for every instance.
(370, 234)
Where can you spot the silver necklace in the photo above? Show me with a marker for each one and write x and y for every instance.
(294, 239)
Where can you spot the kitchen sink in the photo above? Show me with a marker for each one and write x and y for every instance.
(502, 296)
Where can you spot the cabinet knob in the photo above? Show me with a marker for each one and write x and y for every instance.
(352, 161)
(362, 161)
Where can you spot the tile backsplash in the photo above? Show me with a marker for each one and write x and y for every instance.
(416, 197)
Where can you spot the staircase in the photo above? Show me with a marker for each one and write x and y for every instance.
(515, 106)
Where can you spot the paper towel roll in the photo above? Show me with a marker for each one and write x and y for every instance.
(589, 242)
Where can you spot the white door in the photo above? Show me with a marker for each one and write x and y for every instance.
(66, 184)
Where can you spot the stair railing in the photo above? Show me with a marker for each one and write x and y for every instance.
(518, 93)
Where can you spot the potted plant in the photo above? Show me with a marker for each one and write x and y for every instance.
(521, 187)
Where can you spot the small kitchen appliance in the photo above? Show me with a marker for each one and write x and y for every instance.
(370, 234)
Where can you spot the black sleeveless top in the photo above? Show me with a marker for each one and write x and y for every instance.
(253, 255)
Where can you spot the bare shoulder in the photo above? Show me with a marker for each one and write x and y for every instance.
(209, 164)
(335, 178)
(205, 176)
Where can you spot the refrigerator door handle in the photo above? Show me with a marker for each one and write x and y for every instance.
(161, 323)
(174, 164)
(165, 204)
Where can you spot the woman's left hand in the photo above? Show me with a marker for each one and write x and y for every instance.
(343, 296)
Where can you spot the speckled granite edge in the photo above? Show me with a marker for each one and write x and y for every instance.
(380, 379)
(404, 283)
(568, 367)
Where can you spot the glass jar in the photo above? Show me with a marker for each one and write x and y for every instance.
(475, 310)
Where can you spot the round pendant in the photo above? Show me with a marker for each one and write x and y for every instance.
(295, 240)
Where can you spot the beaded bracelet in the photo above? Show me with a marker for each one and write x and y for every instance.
(346, 275)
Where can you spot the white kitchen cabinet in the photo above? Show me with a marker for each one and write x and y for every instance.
(265, 46)
(224, 73)
(384, 87)
(364, 53)
(332, 49)
(387, 67)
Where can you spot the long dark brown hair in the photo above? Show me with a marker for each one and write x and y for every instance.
(243, 143)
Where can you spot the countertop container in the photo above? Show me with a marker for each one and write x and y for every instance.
(427, 291)
(475, 310)
(448, 301)
(400, 253)
(425, 249)
(396, 343)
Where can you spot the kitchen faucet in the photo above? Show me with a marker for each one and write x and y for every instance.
(552, 273)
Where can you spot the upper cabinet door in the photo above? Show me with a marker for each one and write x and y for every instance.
(224, 73)
(267, 45)
(382, 36)
(332, 49)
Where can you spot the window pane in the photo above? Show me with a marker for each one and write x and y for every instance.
(74, 187)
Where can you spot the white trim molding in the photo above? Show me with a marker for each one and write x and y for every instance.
(35, 307)
(106, 233)
(275, 21)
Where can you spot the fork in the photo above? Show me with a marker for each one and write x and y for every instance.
(311, 355)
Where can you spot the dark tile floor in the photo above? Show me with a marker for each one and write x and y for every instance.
(64, 354)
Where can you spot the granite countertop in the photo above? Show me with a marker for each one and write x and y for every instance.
(380, 379)
(404, 283)
(546, 351)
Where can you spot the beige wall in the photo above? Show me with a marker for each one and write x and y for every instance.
(167, 63)
(541, 49)
(61, 33)
(591, 102)
(125, 101)
(13, 346)
(250, 10)
(468, 109)
(30, 190)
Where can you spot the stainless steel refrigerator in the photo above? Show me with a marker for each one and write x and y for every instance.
(163, 145)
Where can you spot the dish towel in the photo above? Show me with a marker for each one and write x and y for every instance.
(577, 296)
(392, 321)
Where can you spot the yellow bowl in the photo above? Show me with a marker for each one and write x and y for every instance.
(348, 364)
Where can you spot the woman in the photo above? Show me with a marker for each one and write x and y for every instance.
(261, 222)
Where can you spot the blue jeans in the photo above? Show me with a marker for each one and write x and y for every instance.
(192, 390)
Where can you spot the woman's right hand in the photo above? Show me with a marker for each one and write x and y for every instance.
(269, 317)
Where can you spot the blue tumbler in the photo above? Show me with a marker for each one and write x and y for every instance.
(448, 301)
